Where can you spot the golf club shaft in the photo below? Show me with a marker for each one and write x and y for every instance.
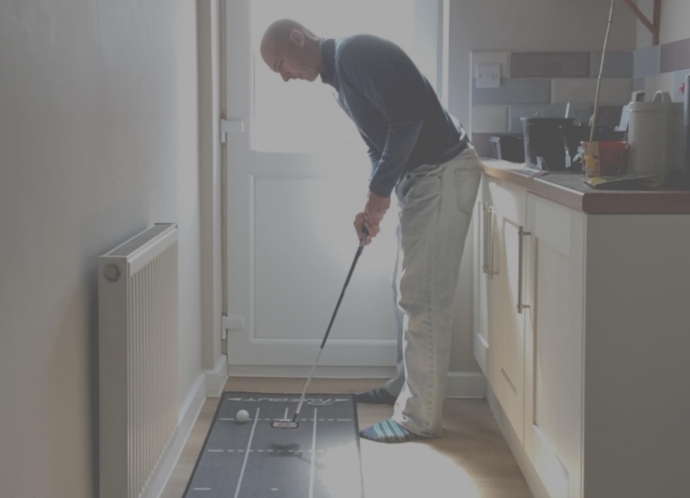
(335, 312)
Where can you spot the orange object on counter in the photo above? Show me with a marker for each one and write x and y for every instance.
(606, 158)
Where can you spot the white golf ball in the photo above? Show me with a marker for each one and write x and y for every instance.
(242, 416)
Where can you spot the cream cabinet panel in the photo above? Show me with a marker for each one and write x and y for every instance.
(554, 345)
(510, 217)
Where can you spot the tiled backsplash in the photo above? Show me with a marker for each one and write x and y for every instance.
(543, 83)
(663, 67)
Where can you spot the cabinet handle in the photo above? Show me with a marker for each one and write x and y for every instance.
(485, 265)
(521, 248)
(490, 244)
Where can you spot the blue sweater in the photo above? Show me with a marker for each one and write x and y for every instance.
(396, 110)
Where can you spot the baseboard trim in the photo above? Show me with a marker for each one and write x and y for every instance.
(303, 372)
(466, 385)
(460, 384)
(189, 411)
(523, 461)
(216, 378)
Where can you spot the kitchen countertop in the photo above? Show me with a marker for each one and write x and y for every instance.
(569, 190)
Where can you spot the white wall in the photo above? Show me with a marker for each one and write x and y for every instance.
(530, 25)
(98, 140)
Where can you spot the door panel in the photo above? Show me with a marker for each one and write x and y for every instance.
(294, 182)
(511, 327)
(482, 315)
(510, 207)
(555, 279)
(305, 244)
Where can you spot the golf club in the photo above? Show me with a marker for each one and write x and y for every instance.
(293, 424)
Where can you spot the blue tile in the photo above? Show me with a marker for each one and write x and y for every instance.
(647, 62)
(617, 65)
(581, 113)
(514, 91)
(550, 65)
(675, 56)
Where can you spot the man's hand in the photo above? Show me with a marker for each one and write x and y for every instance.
(374, 211)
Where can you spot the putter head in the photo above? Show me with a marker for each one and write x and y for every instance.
(285, 424)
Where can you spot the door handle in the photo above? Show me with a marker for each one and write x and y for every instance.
(521, 253)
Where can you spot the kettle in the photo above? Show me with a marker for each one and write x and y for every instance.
(656, 136)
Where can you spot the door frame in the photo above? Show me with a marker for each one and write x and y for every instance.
(437, 35)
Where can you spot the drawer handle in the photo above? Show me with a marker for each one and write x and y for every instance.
(521, 248)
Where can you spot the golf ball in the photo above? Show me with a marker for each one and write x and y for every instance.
(242, 416)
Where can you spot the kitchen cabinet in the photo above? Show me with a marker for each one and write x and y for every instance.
(484, 310)
(581, 328)
(554, 269)
(498, 329)
(509, 208)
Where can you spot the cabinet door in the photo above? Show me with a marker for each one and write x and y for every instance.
(483, 270)
(510, 216)
(554, 350)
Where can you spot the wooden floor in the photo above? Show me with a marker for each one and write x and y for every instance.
(470, 460)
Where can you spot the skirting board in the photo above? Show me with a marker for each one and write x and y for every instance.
(460, 384)
(189, 412)
(208, 384)
(216, 378)
(320, 372)
(528, 470)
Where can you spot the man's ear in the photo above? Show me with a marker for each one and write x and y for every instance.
(297, 38)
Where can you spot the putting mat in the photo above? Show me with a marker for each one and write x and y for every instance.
(319, 459)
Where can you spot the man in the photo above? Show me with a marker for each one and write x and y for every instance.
(421, 153)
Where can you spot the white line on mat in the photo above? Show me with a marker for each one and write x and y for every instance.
(246, 455)
(313, 460)
(202, 489)
(286, 413)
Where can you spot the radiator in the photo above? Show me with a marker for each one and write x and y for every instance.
(138, 359)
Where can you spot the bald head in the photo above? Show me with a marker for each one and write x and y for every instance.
(280, 30)
(290, 49)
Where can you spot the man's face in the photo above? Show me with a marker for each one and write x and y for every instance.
(290, 59)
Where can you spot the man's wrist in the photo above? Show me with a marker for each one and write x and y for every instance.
(380, 189)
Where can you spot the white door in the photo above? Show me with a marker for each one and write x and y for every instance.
(510, 206)
(296, 177)
(554, 352)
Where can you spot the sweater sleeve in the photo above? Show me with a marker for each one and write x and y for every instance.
(395, 87)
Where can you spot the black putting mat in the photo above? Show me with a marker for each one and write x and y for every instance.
(319, 459)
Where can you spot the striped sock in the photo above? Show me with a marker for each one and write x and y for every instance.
(388, 431)
(376, 396)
